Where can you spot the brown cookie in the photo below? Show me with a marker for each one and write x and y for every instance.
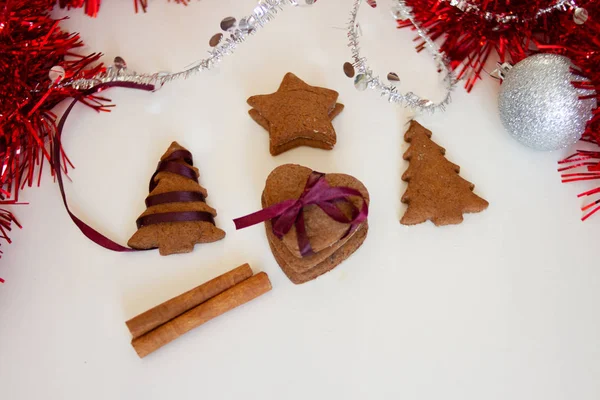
(287, 261)
(287, 182)
(259, 119)
(291, 82)
(293, 260)
(177, 236)
(327, 237)
(292, 144)
(435, 191)
(297, 115)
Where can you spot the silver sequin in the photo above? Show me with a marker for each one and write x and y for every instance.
(228, 23)
(349, 70)
(119, 62)
(580, 15)
(361, 82)
(393, 77)
(56, 74)
(215, 40)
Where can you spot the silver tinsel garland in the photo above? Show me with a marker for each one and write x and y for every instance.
(365, 78)
(507, 17)
(236, 33)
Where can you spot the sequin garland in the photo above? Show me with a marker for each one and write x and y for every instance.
(364, 76)
(222, 45)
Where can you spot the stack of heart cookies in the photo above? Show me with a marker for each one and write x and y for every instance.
(331, 242)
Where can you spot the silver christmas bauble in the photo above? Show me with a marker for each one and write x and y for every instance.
(540, 107)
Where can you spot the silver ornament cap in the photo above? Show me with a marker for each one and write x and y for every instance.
(540, 107)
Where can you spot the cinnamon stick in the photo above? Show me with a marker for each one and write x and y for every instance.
(239, 294)
(170, 309)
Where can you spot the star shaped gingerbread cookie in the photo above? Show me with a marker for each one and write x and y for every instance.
(297, 114)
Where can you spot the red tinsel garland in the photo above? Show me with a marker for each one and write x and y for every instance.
(6, 221)
(581, 43)
(589, 161)
(31, 43)
(468, 39)
(92, 7)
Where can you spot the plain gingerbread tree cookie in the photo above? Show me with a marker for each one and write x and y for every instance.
(435, 192)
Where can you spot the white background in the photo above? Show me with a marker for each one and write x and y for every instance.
(503, 306)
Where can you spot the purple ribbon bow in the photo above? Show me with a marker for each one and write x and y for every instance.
(288, 213)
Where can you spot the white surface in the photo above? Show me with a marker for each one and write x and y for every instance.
(504, 306)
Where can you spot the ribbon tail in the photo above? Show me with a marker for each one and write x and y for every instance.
(87, 230)
(357, 216)
(303, 241)
(358, 219)
(263, 215)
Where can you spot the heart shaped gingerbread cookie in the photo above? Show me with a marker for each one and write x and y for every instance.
(332, 235)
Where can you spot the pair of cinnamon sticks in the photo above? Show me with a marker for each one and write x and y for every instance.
(166, 322)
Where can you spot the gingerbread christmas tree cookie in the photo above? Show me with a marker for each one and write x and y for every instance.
(177, 216)
(297, 114)
(435, 190)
